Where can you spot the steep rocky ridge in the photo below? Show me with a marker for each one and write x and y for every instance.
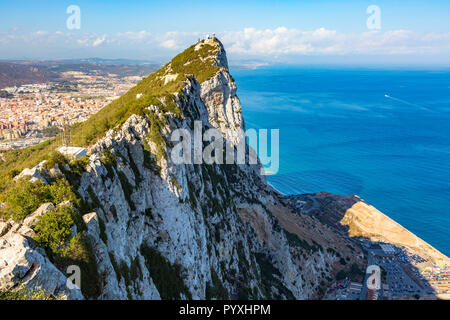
(161, 230)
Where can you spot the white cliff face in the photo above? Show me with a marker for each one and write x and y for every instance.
(195, 219)
(218, 230)
(223, 107)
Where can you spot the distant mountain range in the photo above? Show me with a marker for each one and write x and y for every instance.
(15, 72)
(112, 61)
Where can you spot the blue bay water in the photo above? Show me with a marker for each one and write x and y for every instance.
(340, 133)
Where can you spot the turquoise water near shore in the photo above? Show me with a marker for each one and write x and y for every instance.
(381, 134)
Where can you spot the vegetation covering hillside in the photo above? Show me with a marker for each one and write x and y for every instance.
(53, 231)
(151, 90)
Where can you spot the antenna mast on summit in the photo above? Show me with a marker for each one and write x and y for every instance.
(66, 136)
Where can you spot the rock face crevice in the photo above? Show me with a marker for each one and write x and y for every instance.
(190, 230)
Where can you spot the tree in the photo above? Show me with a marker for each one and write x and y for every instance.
(23, 198)
(54, 228)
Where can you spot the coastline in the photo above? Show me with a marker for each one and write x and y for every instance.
(401, 172)
(275, 189)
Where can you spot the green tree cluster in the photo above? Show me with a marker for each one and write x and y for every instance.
(24, 197)
(53, 229)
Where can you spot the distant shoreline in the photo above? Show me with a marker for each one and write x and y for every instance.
(272, 186)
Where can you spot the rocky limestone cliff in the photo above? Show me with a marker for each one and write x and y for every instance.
(199, 231)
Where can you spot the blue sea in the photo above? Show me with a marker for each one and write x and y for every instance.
(381, 134)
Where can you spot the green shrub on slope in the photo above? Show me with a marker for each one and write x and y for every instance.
(24, 197)
(23, 293)
(53, 229)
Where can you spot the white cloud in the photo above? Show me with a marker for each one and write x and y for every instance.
(281, 41)
(99, 41)
(264, 44)
(135, 36)
(83, 42)
(169, 44)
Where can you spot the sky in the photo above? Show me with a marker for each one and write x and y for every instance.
(259, 32)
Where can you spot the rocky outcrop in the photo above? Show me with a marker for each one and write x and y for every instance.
(22, 262)
(220, 224)
(201, 231)
(34, 173)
